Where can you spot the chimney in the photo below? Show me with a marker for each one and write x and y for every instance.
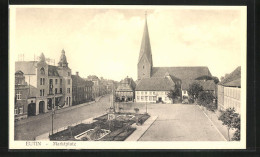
(77, 73)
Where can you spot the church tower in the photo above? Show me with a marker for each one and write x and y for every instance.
(145, 61)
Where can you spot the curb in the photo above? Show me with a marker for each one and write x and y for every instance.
(140, 130)
(213, 124)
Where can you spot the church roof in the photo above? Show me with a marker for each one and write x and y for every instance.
(234, 76)
(145, 50)
(207, 85)
(27, 67)
(181, 72)
(155, 84)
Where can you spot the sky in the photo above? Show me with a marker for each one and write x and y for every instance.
(106, 41)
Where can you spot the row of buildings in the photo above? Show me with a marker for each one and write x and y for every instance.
(39, 87)
(154, 83)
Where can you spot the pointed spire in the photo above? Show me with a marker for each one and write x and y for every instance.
(145, 50)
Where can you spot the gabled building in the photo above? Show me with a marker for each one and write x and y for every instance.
(158, 81)
(125, 92)
(49, 85)
(229, 91)
(21, 95)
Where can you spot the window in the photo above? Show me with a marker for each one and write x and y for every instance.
(40, 92)
(150, 98)
(60, 81)
(154, 98)
(60, 90)
(43, 92)
(68, 81)
(18, 95)
(56, 90)
(40, 81)
(15, 111)
(43, 81)
(68, 90)
(56, 81)
(145, 92)
(142, 98)
(42, 71)
(143, 66)
(138, 97)
(21, 110)
(146, 98)
(153, 93)
(68, 73)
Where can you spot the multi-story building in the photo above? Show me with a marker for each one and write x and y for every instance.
(49, 85)
(156, 89)
(21, 95)
(126, 90)
(97, 87)
(89, 90)
(229, 91)
(78, 89)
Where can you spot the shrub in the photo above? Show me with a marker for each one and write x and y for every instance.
(194, 90)
(206, 99)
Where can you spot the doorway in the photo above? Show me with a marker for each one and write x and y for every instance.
(41, 107)
(31, 109)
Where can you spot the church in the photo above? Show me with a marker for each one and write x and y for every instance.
(154, 83)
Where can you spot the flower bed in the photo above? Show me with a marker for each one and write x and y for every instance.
(114, 130)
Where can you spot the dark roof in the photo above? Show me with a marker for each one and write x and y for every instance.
(181, 72)
(77, 80)
(155, 84)
(234, 83)
(19, 72)
(27, 67)
(52, 70)
(207, 85)
(235, 75)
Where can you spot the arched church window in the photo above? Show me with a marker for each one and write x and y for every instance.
(42, 71)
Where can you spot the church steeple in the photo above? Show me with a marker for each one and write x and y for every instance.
(145, 61)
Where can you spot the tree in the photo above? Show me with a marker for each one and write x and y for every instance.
(194, 90)
(230, 118)
(236, 125)
(173, 94)
(216, 80)
(206, 99)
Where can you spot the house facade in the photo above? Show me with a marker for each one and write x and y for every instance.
(125, 92)
(229, 91)
(21, 96)
(78, 89)
(49, 85)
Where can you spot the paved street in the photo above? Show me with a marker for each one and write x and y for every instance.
(178, 122)
(31, 129)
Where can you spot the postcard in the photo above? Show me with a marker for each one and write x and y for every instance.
(127, 77)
